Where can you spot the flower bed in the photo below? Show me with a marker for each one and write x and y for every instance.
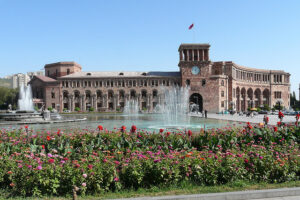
(96, 161)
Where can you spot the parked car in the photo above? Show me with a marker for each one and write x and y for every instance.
(67, 111)
(263, 112)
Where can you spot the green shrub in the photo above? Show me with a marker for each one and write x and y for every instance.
(91, 109)
(77, 109)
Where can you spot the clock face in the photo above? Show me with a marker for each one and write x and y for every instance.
(195, 70)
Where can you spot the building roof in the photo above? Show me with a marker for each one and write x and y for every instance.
(45, 78)
(193, 46)
(258, 70)
(119, 74)
(62, 64)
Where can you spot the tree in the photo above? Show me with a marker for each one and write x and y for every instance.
(8, 96)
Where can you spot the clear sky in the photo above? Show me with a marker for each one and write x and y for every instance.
(143, 35)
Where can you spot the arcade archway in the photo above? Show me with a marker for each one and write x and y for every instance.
(197, 100)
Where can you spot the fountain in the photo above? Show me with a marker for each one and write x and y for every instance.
(25, 103)
(131, 107)
(25, 112)
(174, 107)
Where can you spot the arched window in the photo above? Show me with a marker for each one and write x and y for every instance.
(188, 82)
(222, 83)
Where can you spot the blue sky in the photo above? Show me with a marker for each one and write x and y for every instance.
(142, 35)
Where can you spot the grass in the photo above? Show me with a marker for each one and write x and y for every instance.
(184, 188)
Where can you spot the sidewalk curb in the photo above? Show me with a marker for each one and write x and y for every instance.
(241, 195)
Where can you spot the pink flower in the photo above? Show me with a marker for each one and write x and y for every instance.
(84, 175)
(116, 179)
(39, 167)
(49, 155)
(90, 166)
(83, 184)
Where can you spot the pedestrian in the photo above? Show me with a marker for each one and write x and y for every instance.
(205, 114)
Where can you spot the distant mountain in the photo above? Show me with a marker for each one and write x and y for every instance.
(5, 83)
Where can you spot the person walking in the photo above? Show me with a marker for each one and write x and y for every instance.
(205, 112)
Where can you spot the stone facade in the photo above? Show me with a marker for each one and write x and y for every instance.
(214, 86)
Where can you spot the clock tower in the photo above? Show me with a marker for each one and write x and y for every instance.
(195, 68)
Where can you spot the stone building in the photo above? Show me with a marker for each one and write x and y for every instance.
(213, 86)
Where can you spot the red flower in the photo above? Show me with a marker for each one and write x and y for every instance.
(51, 161)
(58, 132)
(123, 128)
(280, 115)
(90, 166)
(133, 129)
(249, 125)
(26, 126)
(48, 138)
(275, 128)
(100, 128)
(161, 130)
(168, 133)
(297, 117)
(246, 160)
(190, 133)
(278, 123)
(43, 146)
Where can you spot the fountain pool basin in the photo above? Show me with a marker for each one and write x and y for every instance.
(149, 122)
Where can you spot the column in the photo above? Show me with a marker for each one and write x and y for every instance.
(80, 102)
(198, 55)
(187, 55)
(72, 103)
(139, 101)
(83, 103)
(180, 56)
(151, 103)
(203, 58)
(193, 56)
(105, 102)
(95, 102)
(69, 102)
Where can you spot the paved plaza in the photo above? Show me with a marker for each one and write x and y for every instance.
(255, 119)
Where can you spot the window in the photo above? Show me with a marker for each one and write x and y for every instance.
(56, 72)
(154, 93)
(68, 71)
(53, 95)
(53, 105)
(222, 104)
(222, 93)
(48, 73)
(222, 83)
(203, 82)
(188, 82)
(277, 95)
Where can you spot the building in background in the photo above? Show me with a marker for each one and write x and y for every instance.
(19, 79)
(213, 86)
(22, 79)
